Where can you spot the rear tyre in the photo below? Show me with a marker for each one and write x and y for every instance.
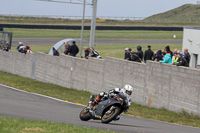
(108, 117)
(84, 115)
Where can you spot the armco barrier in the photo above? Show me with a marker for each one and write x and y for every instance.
(155, 84)
(78, 27)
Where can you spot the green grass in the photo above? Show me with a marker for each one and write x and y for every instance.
(111, 50)
(100, 34)
(188, 13)
(12, 125)
(71, 95)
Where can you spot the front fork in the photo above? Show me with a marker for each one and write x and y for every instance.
(90, 101)
(110, 110)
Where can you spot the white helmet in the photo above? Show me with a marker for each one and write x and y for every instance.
(128, 89)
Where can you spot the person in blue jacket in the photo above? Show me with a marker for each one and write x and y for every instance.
(167, 58)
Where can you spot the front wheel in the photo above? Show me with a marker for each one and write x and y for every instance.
(111, 114)
(84, 115)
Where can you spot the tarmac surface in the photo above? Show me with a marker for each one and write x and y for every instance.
(20, 104)
(43, 41)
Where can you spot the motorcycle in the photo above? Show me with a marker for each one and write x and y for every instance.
(107, 110)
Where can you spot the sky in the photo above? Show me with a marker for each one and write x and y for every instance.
(108, 8)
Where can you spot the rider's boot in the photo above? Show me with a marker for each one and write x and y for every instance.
(93, 102)
(117, 118)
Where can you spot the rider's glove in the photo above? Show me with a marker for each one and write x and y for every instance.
(105, 95)
(112, 94)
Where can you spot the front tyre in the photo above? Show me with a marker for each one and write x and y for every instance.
(84, 115)
(111, 114)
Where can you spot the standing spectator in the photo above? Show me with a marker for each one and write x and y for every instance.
(94, 53)
(140, 52)
(67, 47)
(187, 55)
(87, 52)
(28, 49)
(158, 56)
(5, 47)
(129, 54)
(126, 55)
(73, 50)
(148, 54)
(55, 52)
(182, 61)
(175, 59)
(167, 48)
(167, 57)
(135, 57)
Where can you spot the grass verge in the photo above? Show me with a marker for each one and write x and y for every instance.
(82, 97)
(12, 125)
(100, 34)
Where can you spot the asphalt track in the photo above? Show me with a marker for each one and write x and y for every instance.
(26, 105)
(43, 41)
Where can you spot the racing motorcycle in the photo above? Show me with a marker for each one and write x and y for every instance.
(107, 110)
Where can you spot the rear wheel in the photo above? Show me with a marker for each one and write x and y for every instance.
(111, 114)
(84, 115)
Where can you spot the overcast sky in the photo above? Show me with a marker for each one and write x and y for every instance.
(118, 8)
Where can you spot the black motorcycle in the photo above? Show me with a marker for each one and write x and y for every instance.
(107, 110)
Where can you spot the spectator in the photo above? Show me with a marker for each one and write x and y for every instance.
(22, 49)
(73, 50)
(158, 56)
(67, 48)
(129, 53)
(135, 57)
(148, 54)
(167, 48)
(5, 47)
(28, 49)
(87, 52)
(140, 52)
(182, 61)
(1, 45)
(26, 45)
(187, 55)
(94, 53)
(175, 51)
(126, 55)
(18, 47)
(167, 57)
(55, 52)
(179, 52)
(175, 59)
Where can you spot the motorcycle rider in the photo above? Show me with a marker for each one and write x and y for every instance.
(127, 91)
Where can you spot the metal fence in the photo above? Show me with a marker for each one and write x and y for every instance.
(100, 19)
(9, 16)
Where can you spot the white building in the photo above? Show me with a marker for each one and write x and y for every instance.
(191, 41)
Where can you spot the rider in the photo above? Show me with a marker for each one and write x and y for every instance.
(127, 90)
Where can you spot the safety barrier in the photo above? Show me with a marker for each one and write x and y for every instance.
(78, 27)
